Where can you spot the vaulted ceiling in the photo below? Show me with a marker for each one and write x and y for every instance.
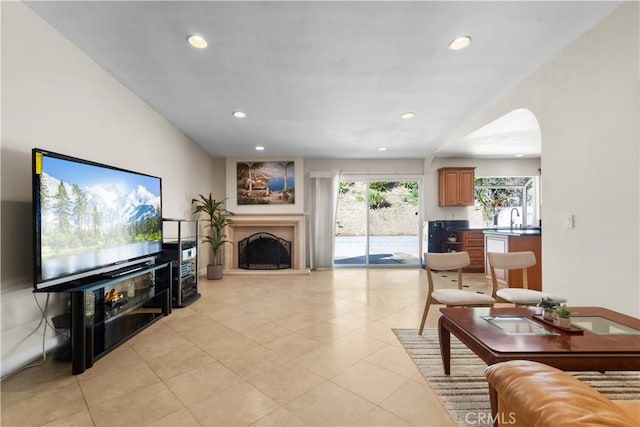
(326, 79)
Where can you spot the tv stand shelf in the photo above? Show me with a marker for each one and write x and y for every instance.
(180, 246)
(97, 327)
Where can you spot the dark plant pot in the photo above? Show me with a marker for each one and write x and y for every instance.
(214, 272)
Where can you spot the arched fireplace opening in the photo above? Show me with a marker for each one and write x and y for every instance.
(264, 251)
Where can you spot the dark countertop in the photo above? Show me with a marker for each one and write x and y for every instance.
(502, 231)
(515, 232)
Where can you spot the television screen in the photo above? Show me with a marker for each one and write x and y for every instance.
(91, 218)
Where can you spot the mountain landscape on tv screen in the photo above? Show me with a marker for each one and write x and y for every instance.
(80, 217)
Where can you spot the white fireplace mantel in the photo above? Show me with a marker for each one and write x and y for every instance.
(287, 226)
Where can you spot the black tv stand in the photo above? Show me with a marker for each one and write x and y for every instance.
(122, 271)
(97, 326)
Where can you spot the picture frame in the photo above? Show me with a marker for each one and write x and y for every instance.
(264, 185)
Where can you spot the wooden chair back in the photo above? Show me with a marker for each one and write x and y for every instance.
(446, 261)
(510, 261)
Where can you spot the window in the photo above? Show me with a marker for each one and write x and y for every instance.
(499, 201)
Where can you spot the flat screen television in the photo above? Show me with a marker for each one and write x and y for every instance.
(91, 219)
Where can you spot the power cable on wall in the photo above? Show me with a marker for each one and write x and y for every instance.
(43, 319)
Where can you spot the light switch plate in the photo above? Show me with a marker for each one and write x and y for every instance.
(569, 221)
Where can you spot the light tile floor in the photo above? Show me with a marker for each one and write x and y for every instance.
(313, 350)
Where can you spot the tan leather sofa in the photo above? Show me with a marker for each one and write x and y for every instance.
(525, 393)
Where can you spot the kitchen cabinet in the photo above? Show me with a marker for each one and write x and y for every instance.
(456, 186)
(504, 241)
(471, 241)
(453, 241)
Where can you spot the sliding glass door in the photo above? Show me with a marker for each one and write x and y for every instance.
(377, 223)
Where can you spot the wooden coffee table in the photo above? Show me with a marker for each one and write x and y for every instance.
(607, 341)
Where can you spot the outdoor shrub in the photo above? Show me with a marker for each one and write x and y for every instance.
(344, 188)
(382, 186)
(377, 200)
(411, 185)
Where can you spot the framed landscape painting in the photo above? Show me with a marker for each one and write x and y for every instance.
(266, 182)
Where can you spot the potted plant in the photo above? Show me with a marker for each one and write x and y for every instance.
(547, 305)
(564, 315)
(217, 217)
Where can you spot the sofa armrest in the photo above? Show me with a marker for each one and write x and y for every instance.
(534, 394)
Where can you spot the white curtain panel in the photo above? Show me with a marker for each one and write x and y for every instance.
(322, 218)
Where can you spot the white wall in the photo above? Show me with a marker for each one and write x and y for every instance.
(367, 167)
(484, 168)
(56, 98)
(586, 101)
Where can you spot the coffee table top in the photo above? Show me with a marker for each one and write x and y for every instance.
(514, 330)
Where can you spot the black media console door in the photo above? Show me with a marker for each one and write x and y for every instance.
(98, 326)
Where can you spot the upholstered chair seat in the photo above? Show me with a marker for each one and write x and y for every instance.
(461, 297)
(520, 296)
(450, 261)
(516, 261)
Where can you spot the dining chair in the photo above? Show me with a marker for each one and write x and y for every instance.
(516, 261)
(450, 261)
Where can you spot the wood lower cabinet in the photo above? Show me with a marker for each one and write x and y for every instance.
(505, 242)
(456, 186)
(474, 245)
(471, 241)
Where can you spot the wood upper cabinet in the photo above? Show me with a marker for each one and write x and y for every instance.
(456, 186)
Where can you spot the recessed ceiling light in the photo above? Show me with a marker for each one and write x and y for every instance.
(382, 149)
(518, 155)
(239, 114)
(460, 43)
(197, 41)
(259, 148)
(408, 115)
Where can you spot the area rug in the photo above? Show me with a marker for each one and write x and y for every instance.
(465, 393)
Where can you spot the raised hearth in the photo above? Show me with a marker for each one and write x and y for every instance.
(288, 227)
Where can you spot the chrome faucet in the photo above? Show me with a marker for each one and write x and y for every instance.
(517, 214)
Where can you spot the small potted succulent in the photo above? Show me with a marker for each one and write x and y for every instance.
(564, 315)
(547, 305)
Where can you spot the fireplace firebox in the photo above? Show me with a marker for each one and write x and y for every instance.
(264, 251)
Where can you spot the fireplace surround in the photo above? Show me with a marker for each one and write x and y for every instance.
(290, 227)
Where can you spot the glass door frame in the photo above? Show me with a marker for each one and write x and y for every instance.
(367, 179)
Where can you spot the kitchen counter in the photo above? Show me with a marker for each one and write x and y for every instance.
(504, 231)
(455, 236)
(514, 231)
(516, 240)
